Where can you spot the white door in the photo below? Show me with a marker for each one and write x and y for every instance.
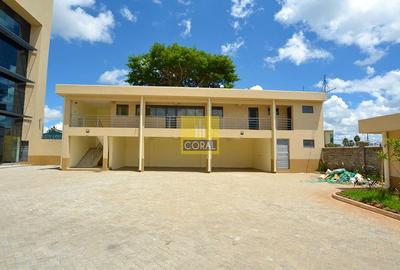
(282, 154)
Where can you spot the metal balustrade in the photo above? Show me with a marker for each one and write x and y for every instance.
(175, 122)
(114, 121)
(242, 123)
(284, 123)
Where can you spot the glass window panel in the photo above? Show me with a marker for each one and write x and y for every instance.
(191, 111)
(13, 22)
(122, 109)
(308, 143)
(12, 58)
(10, 136)
(308, 109)
(199, 111)
(181, 111)
(11, 96)
(218, 111)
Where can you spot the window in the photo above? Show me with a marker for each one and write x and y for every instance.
(155, 110)
(11, 96)
(308, 109)
(122, 109)
(308, 143)
(217, 111)
(12, 58)
(13, 22)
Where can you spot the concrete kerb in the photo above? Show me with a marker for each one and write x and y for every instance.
(366, 206)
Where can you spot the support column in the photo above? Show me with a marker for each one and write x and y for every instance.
(274, 140)
(141, 134)
(105, 153)
(386, 165)
(209, 130)
(65, 155)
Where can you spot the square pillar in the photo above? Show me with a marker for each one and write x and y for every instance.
(141, 134)
(274, 140)
(105, 153)
(65, 155)
(386, 165)
(209, 131)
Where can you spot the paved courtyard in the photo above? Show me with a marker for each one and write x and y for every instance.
(185, 220)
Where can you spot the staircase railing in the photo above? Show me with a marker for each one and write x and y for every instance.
(95, 154)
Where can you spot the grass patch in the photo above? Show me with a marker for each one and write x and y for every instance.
(381, 198)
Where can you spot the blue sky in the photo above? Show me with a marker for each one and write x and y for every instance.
(275, 44)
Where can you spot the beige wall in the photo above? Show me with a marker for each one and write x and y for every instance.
(262, 154)
(39, 14)
(166, 152)
(394, 164)
(123, 152)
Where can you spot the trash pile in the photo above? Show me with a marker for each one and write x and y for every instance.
(342, 176)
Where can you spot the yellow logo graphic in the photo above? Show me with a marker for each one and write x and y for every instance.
(199, 134)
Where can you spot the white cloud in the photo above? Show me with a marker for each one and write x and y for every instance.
(256, 87)
(370, 71)
(158, 2)
(187, 27)
(115, 77)
(71, 21)
(298, 50)
(184, 2)
(241, 10)
(232, 48)
(127, 14)
(384, 92)
(52, 114)
(366, 24)
(236, 25)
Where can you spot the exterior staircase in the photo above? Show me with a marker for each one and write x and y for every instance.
(92, 157)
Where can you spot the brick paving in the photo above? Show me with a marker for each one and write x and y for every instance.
(52, 219)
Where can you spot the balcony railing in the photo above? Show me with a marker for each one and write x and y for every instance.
(115, 121)
(284, 123)
(200, 122)
(175, 122)
(254, 123)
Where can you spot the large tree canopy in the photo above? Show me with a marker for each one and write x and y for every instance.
(176, 65)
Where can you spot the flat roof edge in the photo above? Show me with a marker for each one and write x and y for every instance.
(74, 89)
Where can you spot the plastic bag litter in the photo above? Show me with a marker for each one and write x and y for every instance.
(340, 176)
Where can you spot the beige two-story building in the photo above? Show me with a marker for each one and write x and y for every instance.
(135, 127)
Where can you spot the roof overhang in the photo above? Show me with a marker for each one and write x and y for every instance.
(380, 124)
(112, 91)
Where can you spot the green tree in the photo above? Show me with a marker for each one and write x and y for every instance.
(176, 65)
(357, 138)
(345, 142)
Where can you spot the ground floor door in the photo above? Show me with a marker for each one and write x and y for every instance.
(282, 154)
